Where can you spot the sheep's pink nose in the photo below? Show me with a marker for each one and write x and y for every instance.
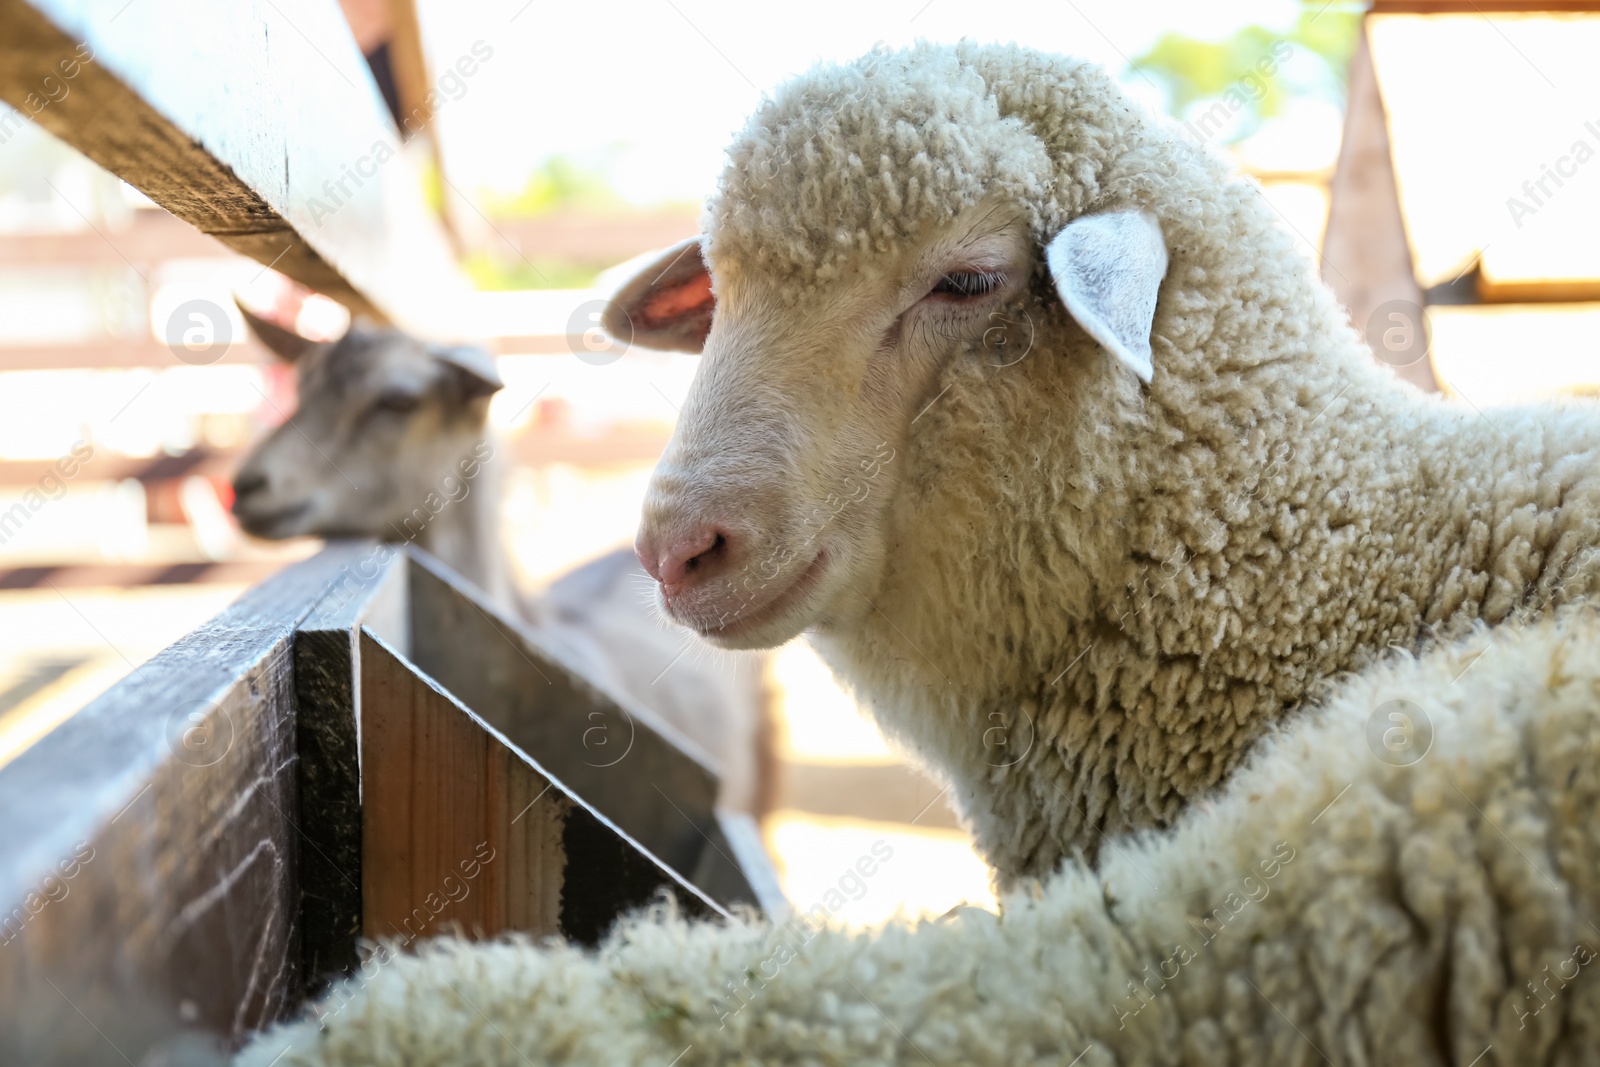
(687, 560)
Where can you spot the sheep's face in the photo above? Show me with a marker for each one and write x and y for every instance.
(388, 428)
(766, 515)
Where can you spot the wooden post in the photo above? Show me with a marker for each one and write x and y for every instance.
(1365, 251)
(149, 854)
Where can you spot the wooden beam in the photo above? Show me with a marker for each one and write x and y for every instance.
(645, 778)
(1481, 7)
(258, 125)
(137, 575)
(1365, 253)
(149, 238)
(106, 466)
(535, 447)
(883, 792)
(118, 353)
(370, 589)
(462, 831)
(149, 856)
(1492, 290)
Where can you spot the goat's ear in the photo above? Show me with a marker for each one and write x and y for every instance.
(474, 369)
(283, 343)
(667, 305)
(1108, 269)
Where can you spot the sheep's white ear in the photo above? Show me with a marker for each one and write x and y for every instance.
(281, 341)
(474, 368)
(1108, 269)
(667, 305)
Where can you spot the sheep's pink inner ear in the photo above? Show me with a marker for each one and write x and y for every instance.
(667, 305)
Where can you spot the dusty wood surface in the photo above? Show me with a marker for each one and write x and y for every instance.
(1365, 253)
(151, 888)
(259, 125)
(622, 760)
(462, 832)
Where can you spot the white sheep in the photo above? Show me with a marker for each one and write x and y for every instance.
(1033, 416)
(391, 441)
(1040, 424)
(1344, 899)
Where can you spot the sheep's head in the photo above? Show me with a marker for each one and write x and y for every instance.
(385, 422)
(828, 297)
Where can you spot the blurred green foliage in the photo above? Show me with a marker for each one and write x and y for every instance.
(490, 271)
(1191, 71)
(559, 183)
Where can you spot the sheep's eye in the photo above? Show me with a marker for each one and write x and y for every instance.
(397, 401)
(967, 284)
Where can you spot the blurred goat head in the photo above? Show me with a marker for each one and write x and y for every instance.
(384, 420)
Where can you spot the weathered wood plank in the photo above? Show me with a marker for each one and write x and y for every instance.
(621, 758)
(462, 831)
(258, 124)
(148, 860)
(369, 589)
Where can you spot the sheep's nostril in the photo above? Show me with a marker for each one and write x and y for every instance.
(711, 556)
(248, 483)
(688, 560)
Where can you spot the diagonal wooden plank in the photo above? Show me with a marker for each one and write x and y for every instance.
(258, 124)
(1366, 254)
(462, 831)
(620, 757)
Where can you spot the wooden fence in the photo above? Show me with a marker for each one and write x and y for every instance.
(361, 747)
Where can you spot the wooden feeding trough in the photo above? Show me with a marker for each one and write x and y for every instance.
(360, 747)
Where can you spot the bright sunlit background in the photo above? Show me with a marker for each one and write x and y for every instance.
(588, 136)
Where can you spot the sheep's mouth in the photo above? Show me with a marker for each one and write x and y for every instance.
(738, 624)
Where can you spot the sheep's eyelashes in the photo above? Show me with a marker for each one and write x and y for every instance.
(959, 285)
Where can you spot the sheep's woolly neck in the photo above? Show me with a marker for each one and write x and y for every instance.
(1100, 595)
